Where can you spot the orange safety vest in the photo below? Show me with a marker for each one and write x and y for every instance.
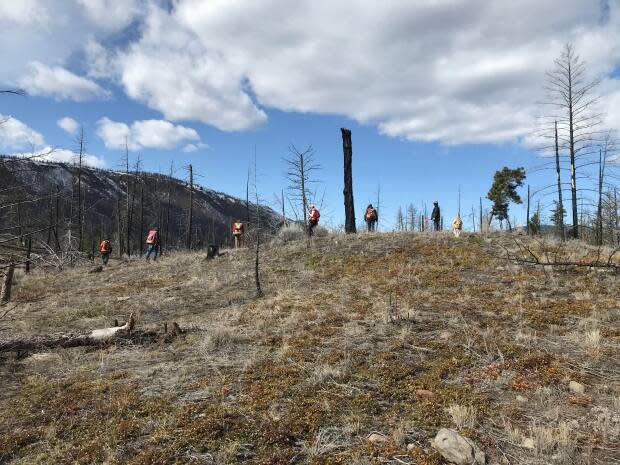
(152, 237)
(105, 246)
(314, 215)
(237, 228)
(371, 214)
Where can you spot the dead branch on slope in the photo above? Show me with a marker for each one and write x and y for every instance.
(557, 257)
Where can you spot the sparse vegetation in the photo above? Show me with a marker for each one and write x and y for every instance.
(309, 372)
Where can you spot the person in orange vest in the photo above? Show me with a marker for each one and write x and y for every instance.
(371, 218)
(105, 249)
(313, 219)
(238, 229)
(152, 244)
(457, 225)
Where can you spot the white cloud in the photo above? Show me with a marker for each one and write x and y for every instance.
(190, 148)
(47, 153)
(68, 124)
(60, 84)
(455, 71)
(611, 103)
(15, 135)
(156, 134)
(99, 62)
(24, 12)
(111, 15)
(173, 72)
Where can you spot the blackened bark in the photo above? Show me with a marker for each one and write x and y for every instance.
(349, 207)
(190, 211)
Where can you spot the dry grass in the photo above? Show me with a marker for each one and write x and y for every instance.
(349, 331)
(462, 417)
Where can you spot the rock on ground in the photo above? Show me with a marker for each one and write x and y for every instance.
(377, 438)
(457, 449)
(576, 387)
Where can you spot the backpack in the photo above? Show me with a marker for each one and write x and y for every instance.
(371, 214)
(105, 246)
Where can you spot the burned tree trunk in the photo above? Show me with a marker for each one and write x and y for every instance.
(349, 207)
(190, 208)
(527, 217)
(5, 294)
(28, 252)
(119, 227)
(141, 230)
(57, 219)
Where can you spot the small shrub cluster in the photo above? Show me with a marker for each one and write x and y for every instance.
(296, 232)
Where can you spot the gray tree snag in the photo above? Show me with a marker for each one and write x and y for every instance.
(81, 142)
(259, 289)
(301, 166)
(349, 206)
(128, 201)
(560, 224)
(573, 108)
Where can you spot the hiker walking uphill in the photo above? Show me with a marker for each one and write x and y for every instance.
(313, 219)
(436, 216)
(238, 229)
(105, 249)
(457, 225)
(152, 244)
(371, 218)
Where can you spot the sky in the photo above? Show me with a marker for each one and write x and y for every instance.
(439, 94)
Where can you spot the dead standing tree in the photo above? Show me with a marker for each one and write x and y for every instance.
(257, 231)
(81, 141)
(190, 209)
(301, 166)
(560, 224)
(128, 202)
(573, 110)
(349, 206)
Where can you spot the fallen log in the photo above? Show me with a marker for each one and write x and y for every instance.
(99, 337)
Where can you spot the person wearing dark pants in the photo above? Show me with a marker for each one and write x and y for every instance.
(436, 216)
(152, 244)
(105, 248)
(313, 220)
(371, 218)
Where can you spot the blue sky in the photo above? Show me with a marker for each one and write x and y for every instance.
(437, 96)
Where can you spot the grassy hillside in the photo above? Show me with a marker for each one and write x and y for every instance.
(350, 338)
